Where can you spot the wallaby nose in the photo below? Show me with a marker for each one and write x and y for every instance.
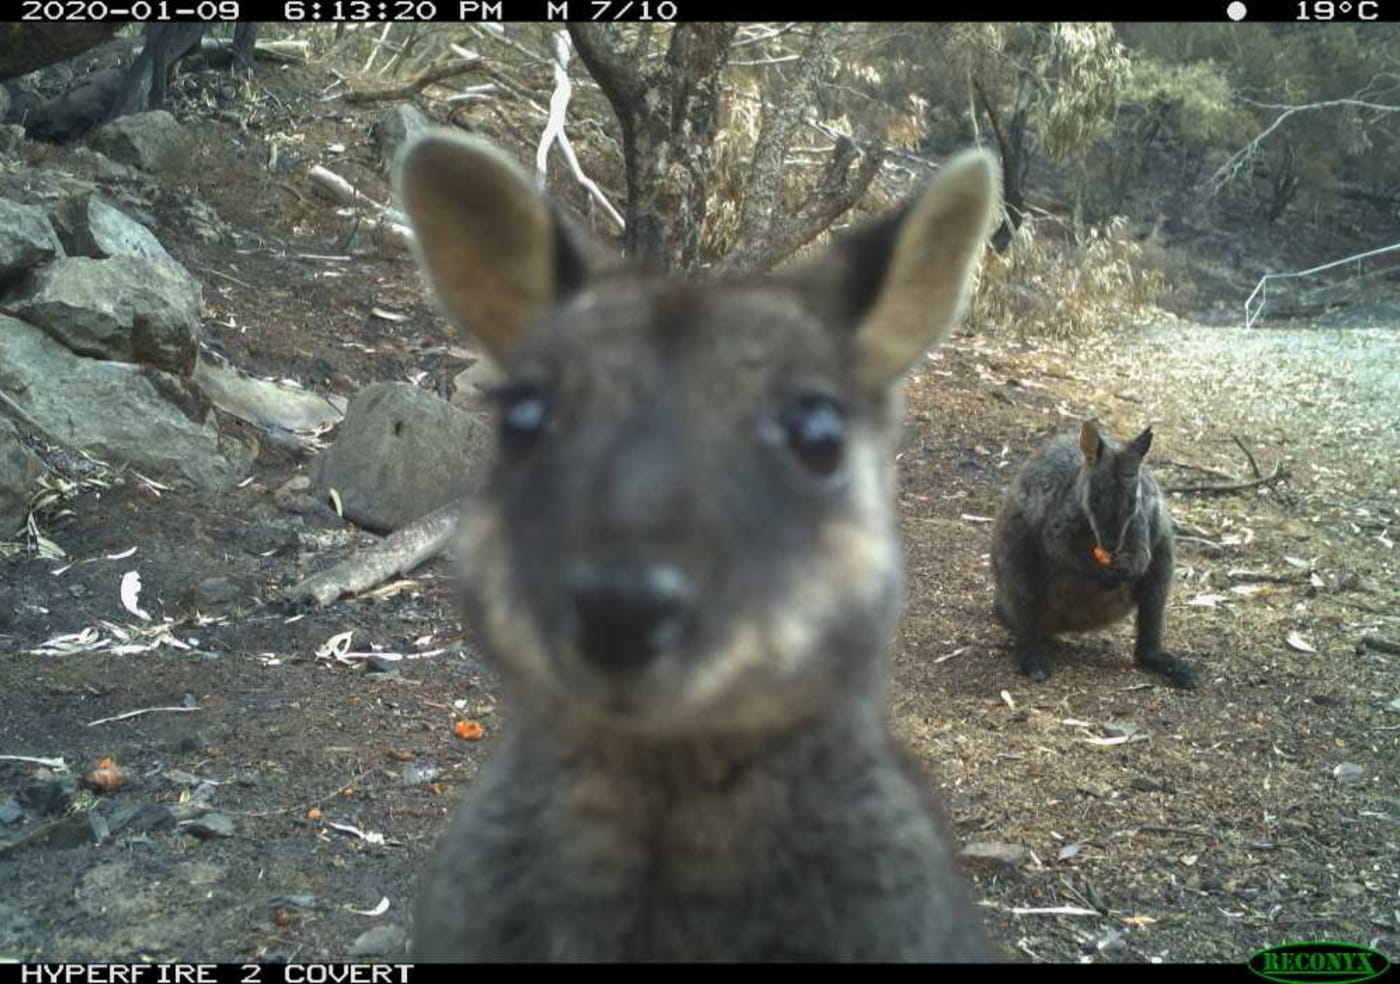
(629, 614)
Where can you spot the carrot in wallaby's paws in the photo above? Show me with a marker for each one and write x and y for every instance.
(1102, 556)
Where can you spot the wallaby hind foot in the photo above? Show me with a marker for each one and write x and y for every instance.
(1174, 668)
(685, 561)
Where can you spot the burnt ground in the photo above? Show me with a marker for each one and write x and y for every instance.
(1263, 807)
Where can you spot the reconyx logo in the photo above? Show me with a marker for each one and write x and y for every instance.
(1307, 963)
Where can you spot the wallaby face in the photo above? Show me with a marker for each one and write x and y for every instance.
(690, 517)
(1081, 540)
(1110, 487)
(685, 561)
(689, 521)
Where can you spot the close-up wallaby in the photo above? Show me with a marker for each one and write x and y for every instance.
(686, 564)
(1082, 539)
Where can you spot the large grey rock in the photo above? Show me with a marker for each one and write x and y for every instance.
(26, 238)
(401, 453)
(19, 470)
(89, 226)
(151, 141)
(117, 411)
(123, 308)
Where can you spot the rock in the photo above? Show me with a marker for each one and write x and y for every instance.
(267, 540)
(381, 941)
(89, 226)
(47, 797)
(394, 127)
(210, 826)
(151, 141)
(402, 452)
(215, 592)
(997, 855)
(141, 816)
(115, 411)
(11, 139)
(10, 810)
(26, 238)
(75, 831)
(126, 308)
(20, 468)
(1348, 772)
(1120, 729)
(418, 773)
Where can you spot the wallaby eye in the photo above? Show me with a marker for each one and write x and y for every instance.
(524, 413)
(816, 433)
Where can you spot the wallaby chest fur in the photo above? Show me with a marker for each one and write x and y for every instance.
(685, 561)
(812, 848)
(1083, 539)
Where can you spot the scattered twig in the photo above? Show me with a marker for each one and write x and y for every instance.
(215, 273)
(144, 710)
(1279, 473)
(1056, 910)
(1253, 465)
(57, 763)
(1152, 828)
(1240, 574)
(1210, 545)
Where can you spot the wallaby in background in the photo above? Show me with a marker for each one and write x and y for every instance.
(1082, 539)
(686, 564)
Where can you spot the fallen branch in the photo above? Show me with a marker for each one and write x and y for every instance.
(1278, 474)
(387, 225)
(1380, 643)
(425, 78)
(278, 51)
(398, 553)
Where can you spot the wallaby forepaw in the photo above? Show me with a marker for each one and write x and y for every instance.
(1036, 666)
(1177, 672)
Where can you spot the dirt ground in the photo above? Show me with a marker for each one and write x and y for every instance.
(1158, 825)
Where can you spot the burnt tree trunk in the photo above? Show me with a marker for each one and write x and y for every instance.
(769, 232)
(1012, 139)
(668, 112)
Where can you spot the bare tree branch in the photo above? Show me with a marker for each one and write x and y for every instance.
(554, 131)
(1237, 161)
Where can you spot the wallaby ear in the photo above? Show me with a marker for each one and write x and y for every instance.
(492, 247)
(1091, 441)
(1140, 444)
(904, 281)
